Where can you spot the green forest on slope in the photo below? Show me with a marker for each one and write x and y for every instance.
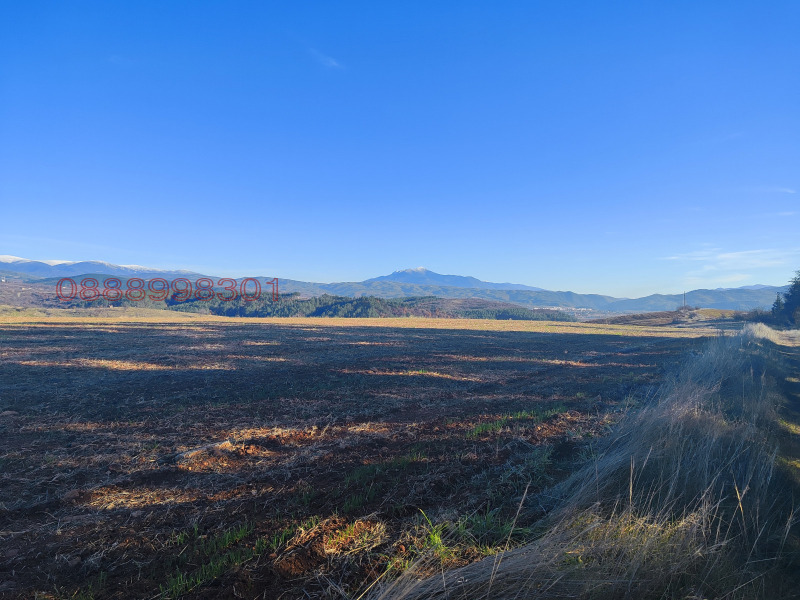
(293, 305)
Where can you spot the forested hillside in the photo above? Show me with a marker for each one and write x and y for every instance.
(293, 305)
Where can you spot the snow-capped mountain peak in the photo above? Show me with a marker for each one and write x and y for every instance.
(7, 258)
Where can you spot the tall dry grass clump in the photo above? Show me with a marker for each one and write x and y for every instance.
(682, 502)
(788, 337)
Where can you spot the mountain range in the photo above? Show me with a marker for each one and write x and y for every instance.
(422, 276)
(423, 282)
(66, 268)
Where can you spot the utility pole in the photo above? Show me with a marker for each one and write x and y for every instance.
(684, 298)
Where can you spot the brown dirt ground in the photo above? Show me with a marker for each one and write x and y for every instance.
(131, 442)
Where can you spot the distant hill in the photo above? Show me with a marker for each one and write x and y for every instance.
(53, 268)
(16, 275)
(293, 305)
(730, 299)
(757, 286)
(425, 283)
(422, 276)
(394, 289)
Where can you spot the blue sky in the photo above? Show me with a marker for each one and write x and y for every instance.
(613, 147)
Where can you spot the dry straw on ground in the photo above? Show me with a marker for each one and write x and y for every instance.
(684, 501)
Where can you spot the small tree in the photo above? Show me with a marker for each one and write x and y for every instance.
(778, 306)
(791, 300)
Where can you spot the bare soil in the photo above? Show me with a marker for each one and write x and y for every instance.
(146, 455)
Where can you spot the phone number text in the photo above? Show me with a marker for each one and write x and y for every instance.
(158, 289)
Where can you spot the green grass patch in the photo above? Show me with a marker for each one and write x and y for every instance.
(219, 553)
(371, 479)
(520, 418)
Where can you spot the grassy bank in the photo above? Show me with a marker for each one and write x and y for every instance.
(209, 456)
(690, 498)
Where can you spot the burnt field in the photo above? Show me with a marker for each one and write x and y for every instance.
(152, 455)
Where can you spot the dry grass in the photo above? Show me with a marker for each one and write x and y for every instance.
(111, 316)
(148, 453)
(764, 332)
(684, 501)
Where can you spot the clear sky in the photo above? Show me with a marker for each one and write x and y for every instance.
(613, 147)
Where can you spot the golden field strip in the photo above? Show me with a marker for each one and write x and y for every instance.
(90, 317)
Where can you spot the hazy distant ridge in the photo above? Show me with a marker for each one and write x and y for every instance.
(43, 269)
(422, 276)
(422, 282)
